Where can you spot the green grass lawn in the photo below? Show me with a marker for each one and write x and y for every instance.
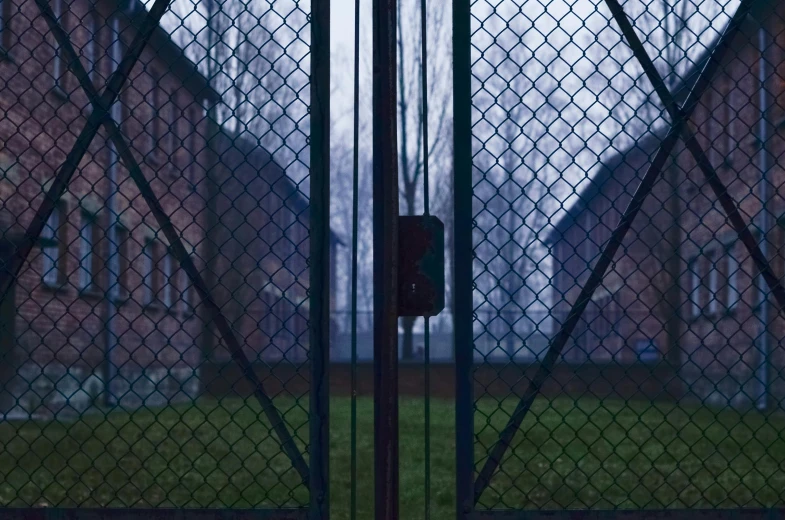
(575, 454)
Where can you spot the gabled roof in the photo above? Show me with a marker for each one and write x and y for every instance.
(173, 56)
(245, 160)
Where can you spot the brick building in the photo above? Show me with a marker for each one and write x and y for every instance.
(682, 294)
(101, 312)
(262, 251)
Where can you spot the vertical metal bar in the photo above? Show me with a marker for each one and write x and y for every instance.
(385, 260)
(355, 243)
(426, 212)
(462, 259)
(427, 397)
(320, 260)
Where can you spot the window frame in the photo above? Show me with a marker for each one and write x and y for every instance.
(186, 294)
(90, 222)
(152, 272)
(155, 116)
(167, 288)
(172, 123)
(696, 283)
(718, 270)
(733, 267)
(57, 241)
(119, 292)
(713, 285)
(730, 142)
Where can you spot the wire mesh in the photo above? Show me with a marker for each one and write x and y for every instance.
(625, 183)
(159, 243)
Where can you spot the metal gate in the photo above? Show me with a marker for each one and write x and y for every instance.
(617, 166)
(169, 271)
(165, 224)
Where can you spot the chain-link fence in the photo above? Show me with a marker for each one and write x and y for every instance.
(619, 164)
(160, 241)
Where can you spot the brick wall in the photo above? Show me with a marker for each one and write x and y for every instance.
(719, 342)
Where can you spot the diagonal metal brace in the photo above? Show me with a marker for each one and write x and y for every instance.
(180, 253)
(702, 160)
(606, 257)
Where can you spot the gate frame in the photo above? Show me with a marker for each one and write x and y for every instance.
(469, 490)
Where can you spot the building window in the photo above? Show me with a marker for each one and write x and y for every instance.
(53, 248)
(91, 46)
(88, 259)
(167, 279)
(119, 290)
(732, 295)
(151, 271)
(713, 283)
(695, 287)
(186, 294)
(172, 113)
(57, 61)
(155, 108)
(730, 143)
(191, 142)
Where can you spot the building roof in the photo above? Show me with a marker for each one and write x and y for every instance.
(169, 52)
(247, 161)
(646, 144)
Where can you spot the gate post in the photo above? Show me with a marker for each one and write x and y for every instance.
(385, 260)
(319, 349)
(463, 334)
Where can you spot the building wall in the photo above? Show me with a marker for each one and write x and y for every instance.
(720, 342)
(61, 330)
